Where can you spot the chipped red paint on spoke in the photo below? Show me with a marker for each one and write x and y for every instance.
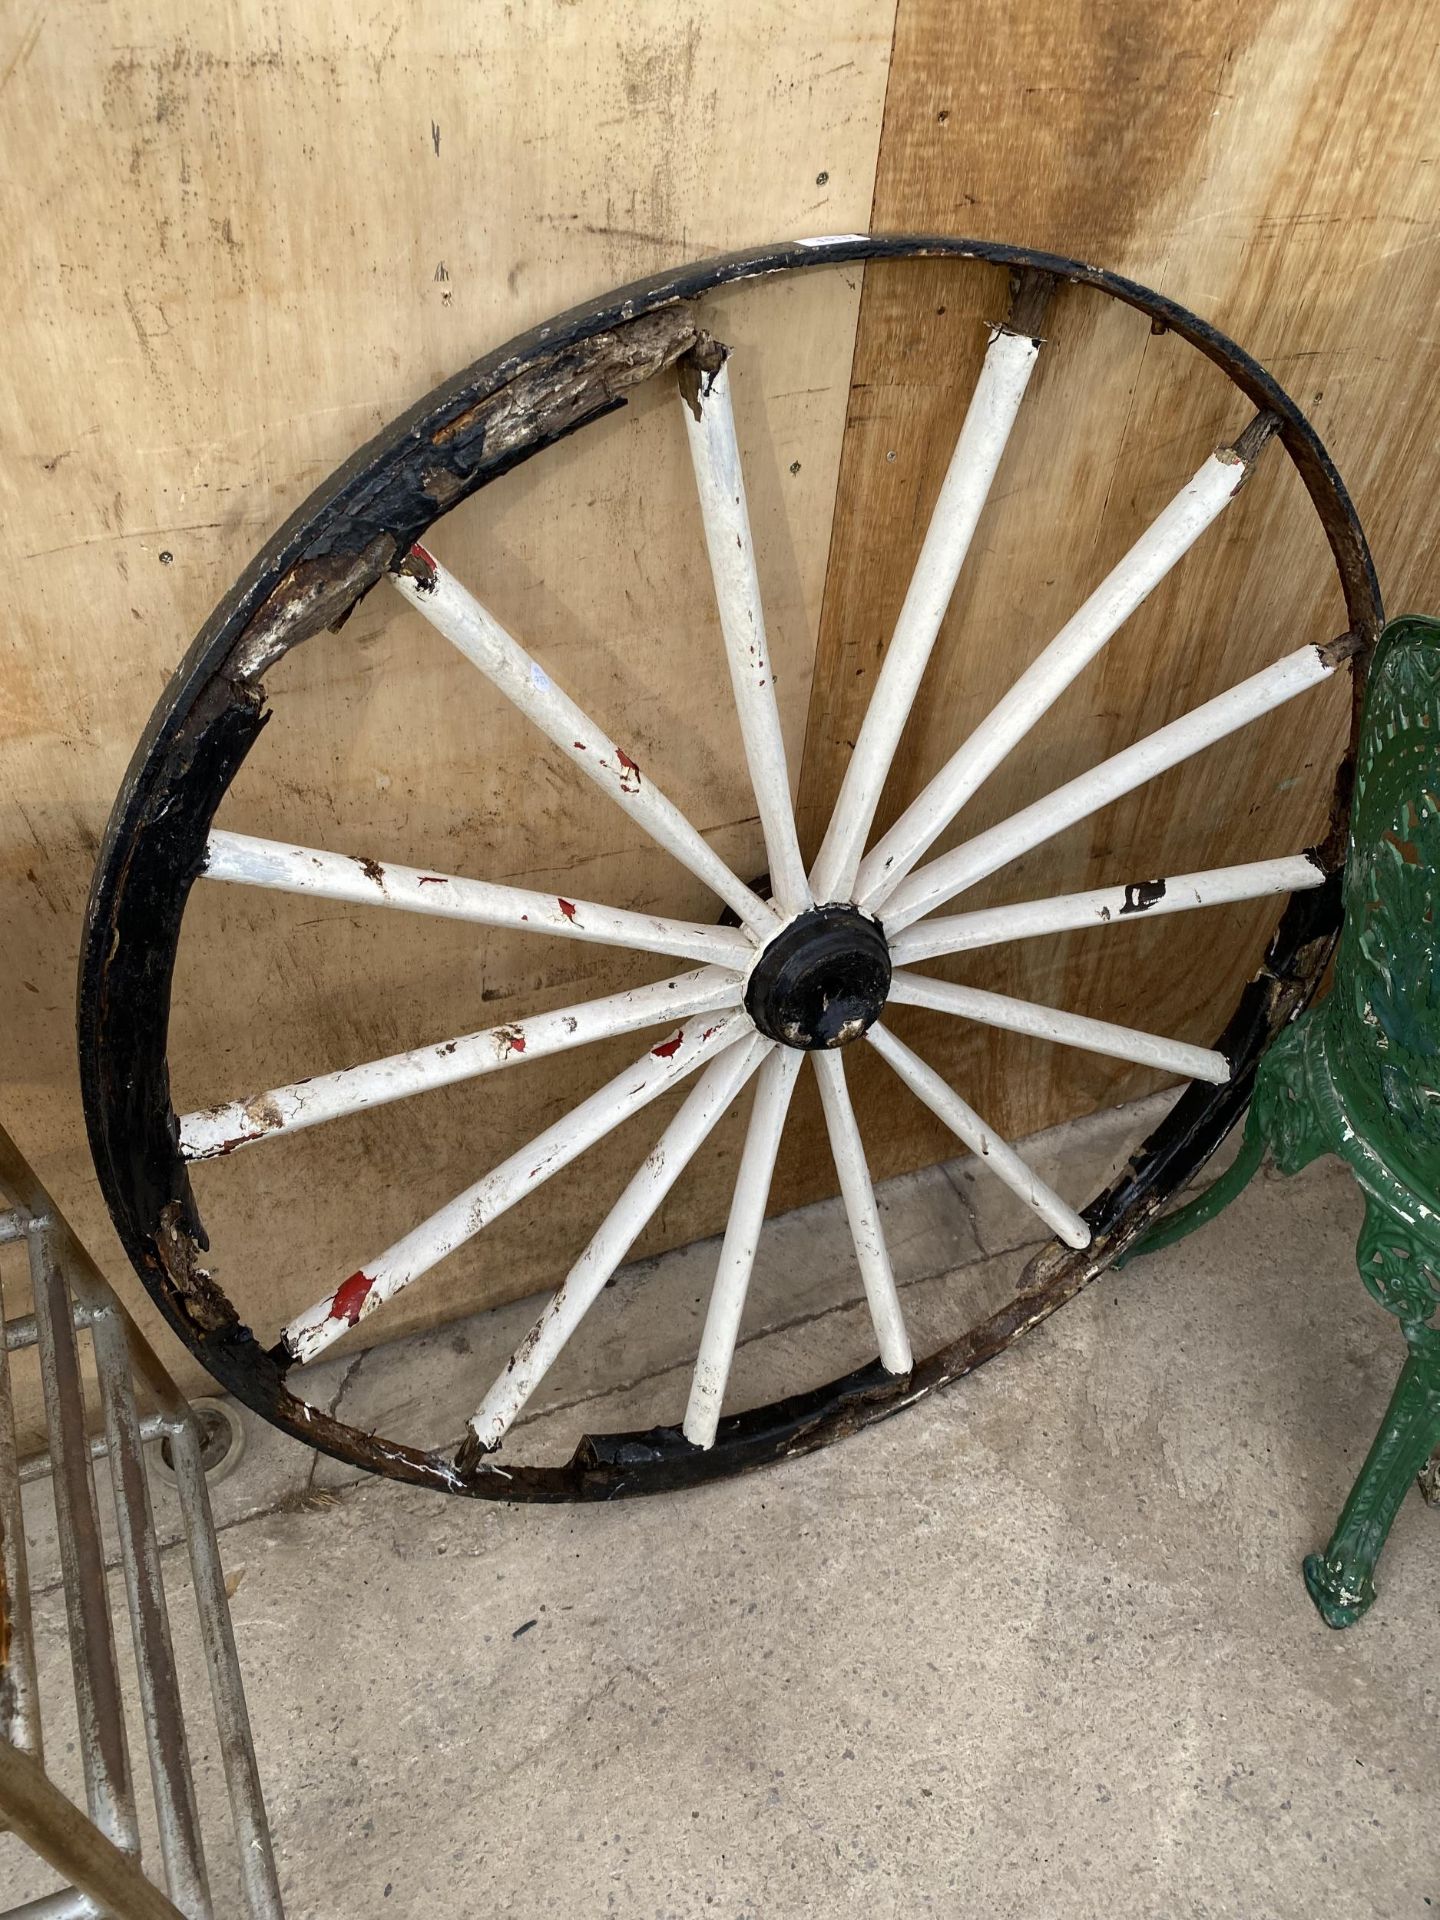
(245, 860)
(324, 1097)
(473, 630)
(349, 1301)
(312, 1331)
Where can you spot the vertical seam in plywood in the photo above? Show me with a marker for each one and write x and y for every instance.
(809, 853)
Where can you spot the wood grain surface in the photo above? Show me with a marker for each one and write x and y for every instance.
(240, 238)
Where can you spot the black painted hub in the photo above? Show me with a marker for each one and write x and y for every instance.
(822, 980)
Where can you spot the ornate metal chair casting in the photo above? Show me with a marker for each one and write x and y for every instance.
(1358, 1075)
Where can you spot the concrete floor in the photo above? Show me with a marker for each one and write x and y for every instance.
(1038, 1647)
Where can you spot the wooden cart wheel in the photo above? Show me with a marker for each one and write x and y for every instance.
(809, 966)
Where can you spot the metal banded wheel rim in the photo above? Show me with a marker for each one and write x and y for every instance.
(810, 969)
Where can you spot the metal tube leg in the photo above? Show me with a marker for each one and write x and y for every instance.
(1203, 1209)
(57, 1830)
(99, 1708)
(176, 1813)
(19, 1688)
(1341, 1580)
(242, 1778)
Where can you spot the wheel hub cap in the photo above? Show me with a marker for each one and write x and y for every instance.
(822, 980)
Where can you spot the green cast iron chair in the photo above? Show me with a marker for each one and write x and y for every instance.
(1358, 1075)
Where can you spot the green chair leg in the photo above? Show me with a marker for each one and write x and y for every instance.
(1341, 1580)
(1216, 1197)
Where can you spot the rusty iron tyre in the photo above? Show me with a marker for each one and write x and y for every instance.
(819, 967)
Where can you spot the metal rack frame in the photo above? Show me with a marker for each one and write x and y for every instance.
(99, 1855)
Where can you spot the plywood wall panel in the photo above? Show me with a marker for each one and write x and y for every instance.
(1271, 167)
(594, 554)
(238, 239)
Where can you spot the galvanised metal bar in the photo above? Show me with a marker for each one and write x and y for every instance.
(71, 1294)
(237, 1749)
(172, 1781)
(100, 1711)
(19, 1690)
(70, 1904)
(57, 1830)
(37, 1467)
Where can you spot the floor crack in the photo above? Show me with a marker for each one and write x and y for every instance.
(332, 1411)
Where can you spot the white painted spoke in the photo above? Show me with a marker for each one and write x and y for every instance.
(311, 1332)
(330, 1096)
(876, 1274)
(1140, 900)
(1163, 543)
(457, 614)
(720, 483)
(742, 1238)
(1066, 1029)
(973, 465)
(240, 858)
(987, 1146)
(942, 879)
(718, 1086)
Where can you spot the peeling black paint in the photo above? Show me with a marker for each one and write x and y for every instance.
(1140, 894)
(697, 369)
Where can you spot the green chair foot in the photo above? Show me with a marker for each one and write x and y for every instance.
(1342, 1579)
(1339, 1598)
(1200, 1211)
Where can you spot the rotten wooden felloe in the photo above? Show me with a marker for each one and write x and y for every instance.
(790, 976)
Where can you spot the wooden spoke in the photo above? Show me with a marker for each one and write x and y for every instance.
(1105, 906)
(311, 1332)
(1165, 541)
(1009, 361)
(476, 633)
(720, 484)
(330, 1096)
(876, 1274)
(240, 858)
(742, 1238)
(1066, 1029)
(929, 886)
(718, 1086)
(986, 1145)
